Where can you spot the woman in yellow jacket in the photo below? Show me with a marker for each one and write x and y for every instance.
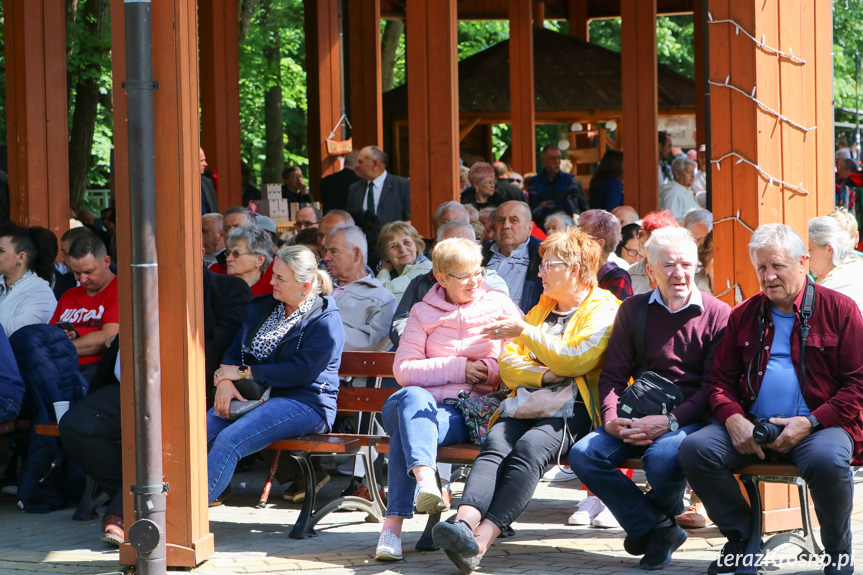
(562, 339)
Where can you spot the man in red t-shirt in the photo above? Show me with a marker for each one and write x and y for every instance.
(91, 308)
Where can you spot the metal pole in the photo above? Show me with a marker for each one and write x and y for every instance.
(147, 534)
(857, 104)
(705, 88)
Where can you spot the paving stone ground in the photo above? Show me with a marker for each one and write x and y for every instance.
(250, 540)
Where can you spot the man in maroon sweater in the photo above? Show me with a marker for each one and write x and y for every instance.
(758, 373)
(683, 330)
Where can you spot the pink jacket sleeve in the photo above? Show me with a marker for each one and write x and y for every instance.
(412, 367)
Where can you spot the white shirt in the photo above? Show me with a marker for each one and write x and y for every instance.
(677, 199)
(847, 279)
(378, 189)
(694, 299)
(30, 301)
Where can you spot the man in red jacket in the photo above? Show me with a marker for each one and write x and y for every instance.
(759, 373)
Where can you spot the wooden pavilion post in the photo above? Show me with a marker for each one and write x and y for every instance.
(364, 41)
(432, 108)
(36, 113)
(521, 86)
(323, 71)
(798, 88)
(700, 70)
(640, 104)
(220, 95)
(579, 25)
(178, 218)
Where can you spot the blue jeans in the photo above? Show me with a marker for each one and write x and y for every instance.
(596, 457)
(230, 441)
(417, 427)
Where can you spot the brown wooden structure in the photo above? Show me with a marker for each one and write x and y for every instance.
(785, 175)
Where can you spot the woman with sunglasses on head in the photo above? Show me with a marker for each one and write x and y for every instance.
(562, 339)
(442, 351)
(402, 258)
(249, 252)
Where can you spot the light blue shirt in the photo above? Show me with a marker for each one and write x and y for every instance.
(780, 388)
(512, 269)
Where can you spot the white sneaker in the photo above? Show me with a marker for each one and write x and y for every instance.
(605, 519)
(557, 474)
(586, 510)
(389, 547)
(428, 498)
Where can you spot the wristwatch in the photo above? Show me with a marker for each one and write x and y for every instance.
(673, 424)
(243, 369)
(816, 425)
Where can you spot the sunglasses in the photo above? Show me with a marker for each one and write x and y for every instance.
(236, 253)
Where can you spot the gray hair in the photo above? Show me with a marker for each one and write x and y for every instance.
(566, 222)
(349, 219)
(304, 265)
(696, 217)
(826, 231)
(253, 218)
(377, 154)
(679, 164)
(213, 216)
(490, 211)
(525, 209)
(317, 212)
(669, 237)
(453, 225)
(601, 225)
(472, 212)
(355, 238)
(781, 235)
(447, 206)
(258, 242)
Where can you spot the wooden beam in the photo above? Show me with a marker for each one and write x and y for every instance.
(433, 108)
(640, 102)
(538, 14)
(220, 96)
(700, 69)
(465, 130)
(579, 24)
(554, 9)
(521, 87)
(36, 113)
(365, 104)
(178, 217)
(323, 85)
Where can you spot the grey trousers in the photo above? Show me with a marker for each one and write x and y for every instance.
(822, 458)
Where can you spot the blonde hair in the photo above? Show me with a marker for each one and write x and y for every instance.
(846, 220)
(575, 247)
(304, 265)
(455, 253)
(393, 229)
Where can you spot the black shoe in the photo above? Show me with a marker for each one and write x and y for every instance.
(455, 536)
(352, 486)
(841, 563)
(662, 541)
(730, 557)
(635, 545)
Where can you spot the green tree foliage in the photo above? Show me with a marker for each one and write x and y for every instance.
(847, 41)
(674, 40)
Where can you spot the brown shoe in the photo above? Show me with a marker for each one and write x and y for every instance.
(112, 529)
(446, 499)
(692, 518)
(363, 493)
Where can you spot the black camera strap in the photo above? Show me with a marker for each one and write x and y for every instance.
(805, 313)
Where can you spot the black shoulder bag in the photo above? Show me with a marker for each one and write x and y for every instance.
(650, 393)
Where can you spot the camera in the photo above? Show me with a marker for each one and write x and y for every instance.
(766, 432)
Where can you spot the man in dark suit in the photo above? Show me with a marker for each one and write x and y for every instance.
(334, 188)
(225, 301)
(209, 202)
(385, 195)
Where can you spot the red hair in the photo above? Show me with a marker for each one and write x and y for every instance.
(655, 220)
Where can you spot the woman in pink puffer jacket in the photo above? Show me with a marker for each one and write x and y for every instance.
(441, 353)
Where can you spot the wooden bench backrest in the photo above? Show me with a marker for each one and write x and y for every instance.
(369, 364)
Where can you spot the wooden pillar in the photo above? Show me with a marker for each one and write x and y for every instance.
(323, 69)
(36, 113)
(799, 90)
(178, 218)
(539, 14)
(639, 137)
(219, 59)
(579, 25)
(521, 88)
(700, 69)
(364, 41)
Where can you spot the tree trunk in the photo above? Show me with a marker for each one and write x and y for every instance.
(274, 125)
(95, 17)
(389, 44)
(246, 9)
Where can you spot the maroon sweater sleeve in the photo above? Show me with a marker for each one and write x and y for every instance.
(847, 402)
(728, 369)
(619, 356)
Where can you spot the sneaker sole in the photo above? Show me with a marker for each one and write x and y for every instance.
(674, 547)
(603, 525)
(111, 539)
(385, 556)
(581, 522)
(450, 540)
(428, 502)
(460, 563)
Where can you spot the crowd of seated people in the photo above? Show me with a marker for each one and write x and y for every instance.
(507, 311)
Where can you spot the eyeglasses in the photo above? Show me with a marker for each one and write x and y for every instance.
(488, 182)
(545, 266)
(300, 224)
(476, 276)
(236, 253)
(630, 253)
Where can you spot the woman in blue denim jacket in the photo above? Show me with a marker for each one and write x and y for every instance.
(291, 342)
